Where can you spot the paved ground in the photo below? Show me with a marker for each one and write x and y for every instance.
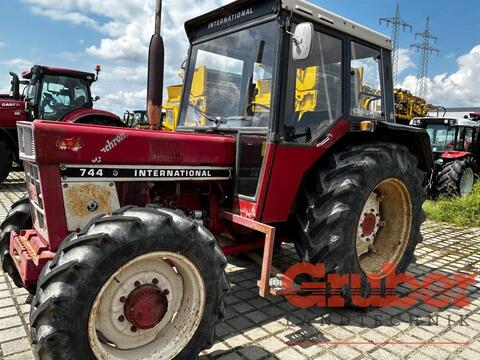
(256, 328)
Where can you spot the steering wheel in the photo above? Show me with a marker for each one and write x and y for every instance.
(250, 108)
(50, 100)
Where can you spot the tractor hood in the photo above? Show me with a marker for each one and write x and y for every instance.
(11, 111)
(74, 144)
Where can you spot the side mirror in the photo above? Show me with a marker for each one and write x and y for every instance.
(96, 98)
(302, 41)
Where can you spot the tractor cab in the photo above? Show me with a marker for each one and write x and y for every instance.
(449, 135)
(137, 119)
(53, 93)
(456, 152)
(281, 78)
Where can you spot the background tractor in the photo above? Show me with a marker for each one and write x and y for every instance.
(456, 151)
(135, 244)
(50, 94)
(138, 119)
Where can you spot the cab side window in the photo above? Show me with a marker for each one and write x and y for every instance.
(314, 91)
(366, 82)
(468, 140)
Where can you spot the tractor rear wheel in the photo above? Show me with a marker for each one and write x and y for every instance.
(18, 218)
(361, 211)
(141, 283)
(6, 160)
(456, 178)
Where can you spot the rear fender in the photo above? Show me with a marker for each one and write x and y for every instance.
(455, 155)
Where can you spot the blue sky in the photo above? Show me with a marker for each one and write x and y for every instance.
(115, 33)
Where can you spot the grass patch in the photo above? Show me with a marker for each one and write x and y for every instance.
(458, 211)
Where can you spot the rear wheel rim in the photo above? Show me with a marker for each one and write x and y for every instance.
(384, 228)
(466, 182)
(149, 308)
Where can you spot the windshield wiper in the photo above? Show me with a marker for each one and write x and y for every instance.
(217, 120)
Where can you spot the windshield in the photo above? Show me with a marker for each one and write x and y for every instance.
(60, 95)
(230, 80)
(442, 137)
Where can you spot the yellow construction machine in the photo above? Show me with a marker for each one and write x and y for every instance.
(409, 106)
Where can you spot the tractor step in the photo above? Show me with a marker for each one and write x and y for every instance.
(29, 254)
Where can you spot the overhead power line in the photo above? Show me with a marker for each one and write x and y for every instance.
(426, 49)
(397, 24)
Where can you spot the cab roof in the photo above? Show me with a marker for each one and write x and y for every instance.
(47, 70)
(455, 121)
(231, 14)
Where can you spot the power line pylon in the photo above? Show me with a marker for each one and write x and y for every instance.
(397, 22)
(425, 49)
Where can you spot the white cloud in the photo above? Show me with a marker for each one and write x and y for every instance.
(405, 61)
(456, 89)
(127, 27)
(18, 64)
(2, 44)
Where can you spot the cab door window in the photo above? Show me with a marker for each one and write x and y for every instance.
(366, 82)
(468, 140)
(314, 90)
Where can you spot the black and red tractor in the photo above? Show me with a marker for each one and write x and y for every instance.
(50, 94)
(456, 152)
(122, 238)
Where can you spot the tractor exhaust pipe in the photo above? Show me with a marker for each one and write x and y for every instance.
(15, 89)
(156, 63)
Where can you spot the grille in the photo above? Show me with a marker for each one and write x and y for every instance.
(26, 142)
(35, 193)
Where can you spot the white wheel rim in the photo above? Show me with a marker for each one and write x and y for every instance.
(111, 338)
(384, 228)
(466, 182)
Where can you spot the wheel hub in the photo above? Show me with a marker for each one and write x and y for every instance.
(369, 225)
(467, 182)
(145, 307)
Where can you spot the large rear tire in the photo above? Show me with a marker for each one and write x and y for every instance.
(149, 281)
(361, 210)
(456, 178)
(6, 160)
(18, 218)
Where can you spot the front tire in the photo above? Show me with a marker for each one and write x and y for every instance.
(456, 178)
(18, 218)
(361, 211)
(116, 285)
(6, 160)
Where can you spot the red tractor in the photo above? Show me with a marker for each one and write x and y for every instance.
(50, 94)
(456, 152)
(124, 234)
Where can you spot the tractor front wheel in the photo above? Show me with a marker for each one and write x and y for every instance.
(6, 160)
(142, 283)
(361, 211)
(456, 178)
(18, 218)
